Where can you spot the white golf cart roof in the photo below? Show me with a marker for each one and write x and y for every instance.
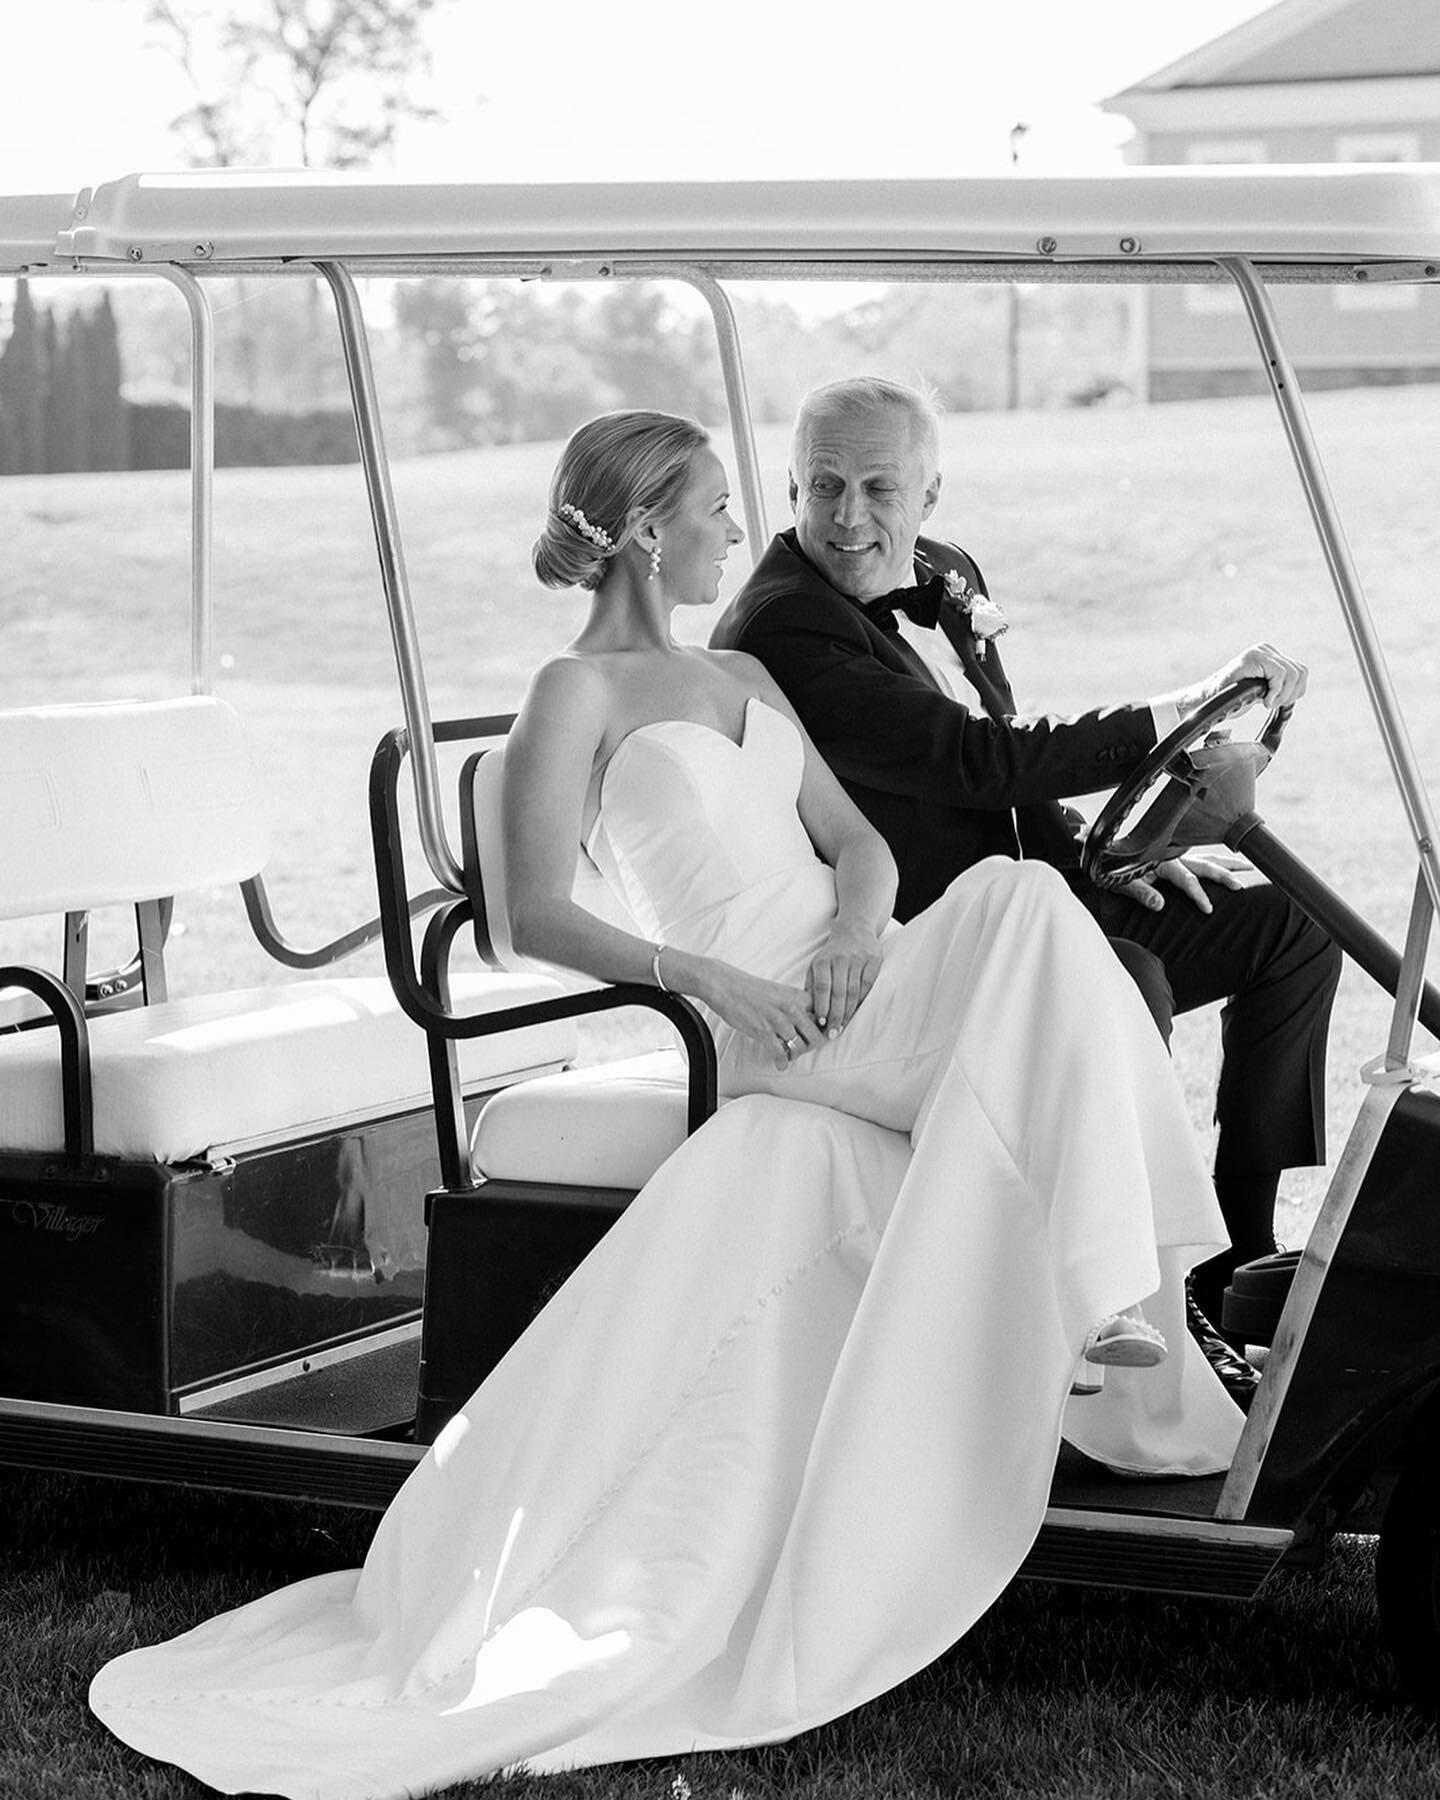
(29, 226)
(1325, 214)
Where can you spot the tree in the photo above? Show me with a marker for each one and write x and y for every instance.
(51, 353)
(654, 356)
(322, 83)
(438, 316)
(22, 399)
(104, 410)
(67, 448)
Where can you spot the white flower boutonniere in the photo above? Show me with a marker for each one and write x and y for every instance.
(986, 619)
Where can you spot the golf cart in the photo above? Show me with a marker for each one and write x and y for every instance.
(228, 1272)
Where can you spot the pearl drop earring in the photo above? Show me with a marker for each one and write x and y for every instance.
(655, 563)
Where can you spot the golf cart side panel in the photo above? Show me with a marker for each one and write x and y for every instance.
(149, 1285)
(86, 1252)
(1357, 1349)
(300, 1244)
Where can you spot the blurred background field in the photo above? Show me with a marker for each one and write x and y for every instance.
(1131, 548)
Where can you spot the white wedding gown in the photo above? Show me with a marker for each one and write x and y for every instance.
(790, 1428)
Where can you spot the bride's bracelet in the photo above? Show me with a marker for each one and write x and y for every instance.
(655, 970)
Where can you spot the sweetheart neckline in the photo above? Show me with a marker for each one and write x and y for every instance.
(699, 725)
(659, 724)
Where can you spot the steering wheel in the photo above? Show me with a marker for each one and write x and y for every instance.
(1184, 792)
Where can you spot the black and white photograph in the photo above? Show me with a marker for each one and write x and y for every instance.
(719, 1007)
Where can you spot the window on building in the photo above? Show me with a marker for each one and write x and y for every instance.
(1377, 147)
(1226, 150)
(1377, 296)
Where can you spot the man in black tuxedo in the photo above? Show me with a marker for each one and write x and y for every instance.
(943, 767)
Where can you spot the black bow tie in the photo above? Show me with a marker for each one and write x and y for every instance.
(920, 604)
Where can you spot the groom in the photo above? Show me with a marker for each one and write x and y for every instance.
(920, 725)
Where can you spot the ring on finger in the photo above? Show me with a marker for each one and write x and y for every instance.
(790, 1042)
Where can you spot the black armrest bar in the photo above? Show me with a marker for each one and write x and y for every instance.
(451, 1131)
(69, 1017)
(257, 900)
(262, 923)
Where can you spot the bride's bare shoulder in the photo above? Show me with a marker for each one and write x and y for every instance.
(569, 679)
(569, 693)
(749, 670)
(740, 665)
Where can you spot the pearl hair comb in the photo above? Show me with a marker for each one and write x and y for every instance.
(601, 539)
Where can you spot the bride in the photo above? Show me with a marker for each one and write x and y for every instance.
(790, 1429)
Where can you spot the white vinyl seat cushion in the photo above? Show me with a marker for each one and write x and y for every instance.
(180, 1079)
(607, 1126)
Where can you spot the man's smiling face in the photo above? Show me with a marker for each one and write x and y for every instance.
(861, 491)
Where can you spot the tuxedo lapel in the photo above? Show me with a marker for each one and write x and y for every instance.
(984, 673)
(1041, 827)
(986, 677)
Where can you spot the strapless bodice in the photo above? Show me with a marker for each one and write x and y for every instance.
(702, 840)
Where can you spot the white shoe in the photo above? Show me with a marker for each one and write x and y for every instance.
(1121, 1341)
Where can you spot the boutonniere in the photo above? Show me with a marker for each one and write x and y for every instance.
(986, 619)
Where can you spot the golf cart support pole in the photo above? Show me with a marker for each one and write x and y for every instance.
(365, 403)
(202, 472)
(742, 436)
(202, 445)
(1410, 995)
(1368, 652)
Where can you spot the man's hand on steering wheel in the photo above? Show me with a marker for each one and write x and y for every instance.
(1189, 874)
(1187, 793)
(1284, 680)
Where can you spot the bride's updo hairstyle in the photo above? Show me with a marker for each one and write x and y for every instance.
(616, 472)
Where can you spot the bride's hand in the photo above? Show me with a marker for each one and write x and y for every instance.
(841, 975)
(776, 1017)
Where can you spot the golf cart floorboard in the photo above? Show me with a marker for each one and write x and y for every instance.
(1088, 1485)
(1107, 1530)
(205, 1453)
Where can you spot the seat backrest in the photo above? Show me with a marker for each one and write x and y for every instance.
(113, 804)
(485, 873)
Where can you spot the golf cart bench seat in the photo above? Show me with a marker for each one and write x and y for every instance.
(196, 1078)
(115, 804)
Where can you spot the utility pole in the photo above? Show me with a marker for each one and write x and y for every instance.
(1012, 334)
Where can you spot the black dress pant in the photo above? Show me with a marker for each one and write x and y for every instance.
(1275, 973)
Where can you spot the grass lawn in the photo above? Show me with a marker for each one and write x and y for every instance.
(1063, 1693)
(1131, 550)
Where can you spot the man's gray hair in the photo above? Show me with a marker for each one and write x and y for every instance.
(861, 395)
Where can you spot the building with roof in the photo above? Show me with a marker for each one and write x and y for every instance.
(1307, 81)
